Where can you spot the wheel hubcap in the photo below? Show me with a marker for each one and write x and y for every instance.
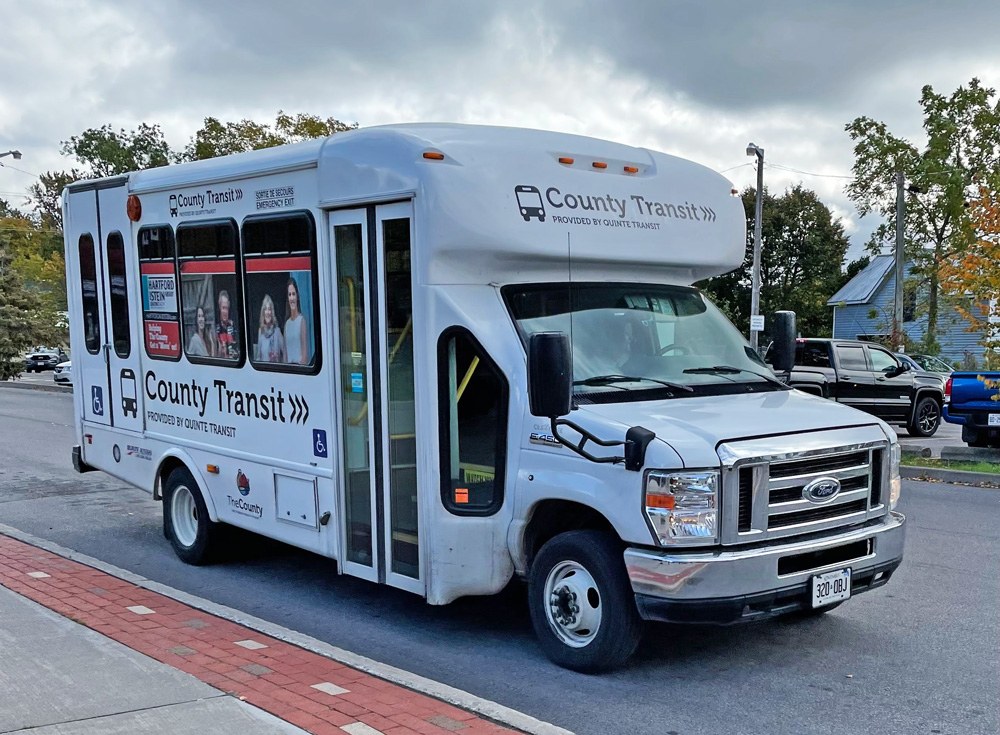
(572, 604)
(928, 417)
(184, 516)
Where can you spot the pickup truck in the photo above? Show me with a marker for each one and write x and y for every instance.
(870, 378)
(975, 405)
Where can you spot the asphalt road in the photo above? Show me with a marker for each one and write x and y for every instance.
(917, 656)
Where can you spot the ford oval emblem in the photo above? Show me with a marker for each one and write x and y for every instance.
(822, 489)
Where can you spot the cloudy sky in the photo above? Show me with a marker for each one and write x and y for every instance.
(696, 78)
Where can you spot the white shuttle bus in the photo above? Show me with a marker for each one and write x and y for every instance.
(446, 356)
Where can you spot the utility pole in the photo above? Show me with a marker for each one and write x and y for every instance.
(755, 150)
(897, 316)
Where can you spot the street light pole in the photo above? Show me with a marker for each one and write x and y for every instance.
(15, 154)
(897, 311)
(755, 150)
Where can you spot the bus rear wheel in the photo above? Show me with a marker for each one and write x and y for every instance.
(185, 519)
(581, 602)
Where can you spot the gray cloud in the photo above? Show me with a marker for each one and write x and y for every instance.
(697, 79)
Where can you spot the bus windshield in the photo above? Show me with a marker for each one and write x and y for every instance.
(632, 338)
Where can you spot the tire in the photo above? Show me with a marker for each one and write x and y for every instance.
(926, 418)
(581, 568)
(185, 519)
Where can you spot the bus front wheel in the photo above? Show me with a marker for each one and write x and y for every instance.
(185, 519)
(582, 605)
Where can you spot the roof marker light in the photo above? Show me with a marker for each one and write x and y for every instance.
(599, 164)
(434, 155)
(631, 169)
(563, 159)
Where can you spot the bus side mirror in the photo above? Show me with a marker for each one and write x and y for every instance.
(784, 341)
(550, 374)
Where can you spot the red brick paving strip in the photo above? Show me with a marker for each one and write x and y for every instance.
(280, 678)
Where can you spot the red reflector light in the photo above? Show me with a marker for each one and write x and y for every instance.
(563, 159)
(947, 387)
(133, 208)
(599, 164)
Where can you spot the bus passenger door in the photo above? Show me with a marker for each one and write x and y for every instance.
(377, 412)
(89, 315)
(124, 324)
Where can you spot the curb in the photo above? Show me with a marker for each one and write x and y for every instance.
(450, 695)
(53, 388)
(986, 480)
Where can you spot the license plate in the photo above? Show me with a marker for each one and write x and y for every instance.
(993, 420)
(831, 587)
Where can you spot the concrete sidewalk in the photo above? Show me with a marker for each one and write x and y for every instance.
(57, 676)
(123, 658)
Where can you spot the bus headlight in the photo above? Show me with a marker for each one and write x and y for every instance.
(895, 482)
(683, 507)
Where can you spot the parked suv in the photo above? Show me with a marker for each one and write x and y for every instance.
(869, 377)
(43, 358)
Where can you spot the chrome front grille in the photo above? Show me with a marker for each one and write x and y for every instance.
(765, 493)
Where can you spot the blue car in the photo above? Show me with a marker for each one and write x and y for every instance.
(975, 406)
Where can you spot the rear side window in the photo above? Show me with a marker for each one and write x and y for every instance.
(160, 313)
(88, 287)
(279, 262)
(812, 354)
(473, 421)
(211, 307)
(121, 332)
(852, 357)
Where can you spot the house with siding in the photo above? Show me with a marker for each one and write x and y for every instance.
(863, 309)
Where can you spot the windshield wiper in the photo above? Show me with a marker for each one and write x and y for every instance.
(729, 369)
(615, 378)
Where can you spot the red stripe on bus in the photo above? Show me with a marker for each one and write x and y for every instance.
(209, 266)
(156, 268)
(290, 263)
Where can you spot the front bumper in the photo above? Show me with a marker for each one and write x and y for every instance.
(724, 587)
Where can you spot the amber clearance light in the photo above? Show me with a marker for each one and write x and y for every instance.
(599, 164)
(434, 155)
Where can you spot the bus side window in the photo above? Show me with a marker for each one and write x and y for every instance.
(158, 277)
(91, 304)
(211, 307)
(121, 332)
(473, 397)
(281, 290)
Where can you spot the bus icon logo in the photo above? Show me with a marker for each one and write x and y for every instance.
(529, 202)
(129, 402)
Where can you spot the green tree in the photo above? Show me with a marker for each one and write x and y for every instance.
(963, 139)
(802, 251)
(217, 138)
(107, 153)
(45, 196)
(23, 321)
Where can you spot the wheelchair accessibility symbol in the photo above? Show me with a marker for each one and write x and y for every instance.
(319, 443)
(97, 400)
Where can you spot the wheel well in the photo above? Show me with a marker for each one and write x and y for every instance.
(552, 517)
(166, 467)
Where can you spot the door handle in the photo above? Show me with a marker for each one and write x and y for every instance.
(881, 380)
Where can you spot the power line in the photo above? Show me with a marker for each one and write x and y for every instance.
(15, 168)
(739, 165)
(782, 167)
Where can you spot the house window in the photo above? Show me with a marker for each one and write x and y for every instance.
(909, 304)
